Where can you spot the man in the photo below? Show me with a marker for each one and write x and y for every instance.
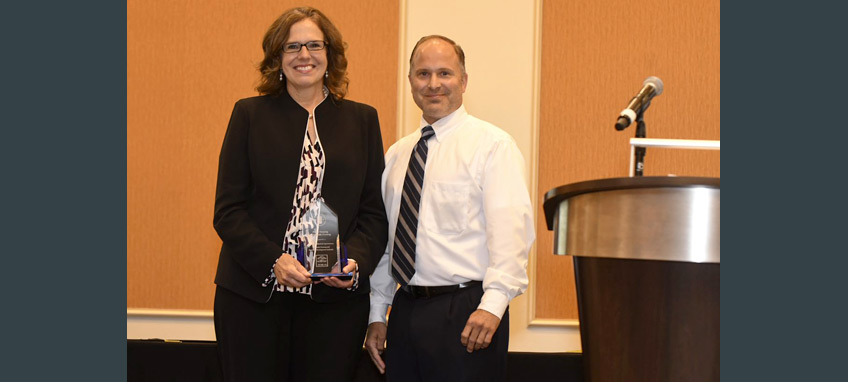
(460, 228)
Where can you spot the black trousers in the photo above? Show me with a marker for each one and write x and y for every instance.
(289, 338)
(423, 340)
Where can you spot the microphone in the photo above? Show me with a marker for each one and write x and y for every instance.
(651, 88)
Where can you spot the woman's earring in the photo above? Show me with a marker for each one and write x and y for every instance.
(281, 75)
(327, 74)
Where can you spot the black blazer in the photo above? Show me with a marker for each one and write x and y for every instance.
(257, 171)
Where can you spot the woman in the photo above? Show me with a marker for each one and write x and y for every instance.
(298, 142)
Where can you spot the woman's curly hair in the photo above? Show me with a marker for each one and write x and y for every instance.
(272, 44)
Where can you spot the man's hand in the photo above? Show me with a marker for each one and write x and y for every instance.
(479, 329)
(375, 342)
(291, 273)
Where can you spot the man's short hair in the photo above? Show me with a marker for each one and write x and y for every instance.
(458, 49)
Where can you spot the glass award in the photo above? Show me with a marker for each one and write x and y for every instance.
(320, 231)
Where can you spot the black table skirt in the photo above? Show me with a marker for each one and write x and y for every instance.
(187, 361)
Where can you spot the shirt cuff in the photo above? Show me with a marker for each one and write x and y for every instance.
(272, 278)
(378, 313)
(494, 302)
(355, 276)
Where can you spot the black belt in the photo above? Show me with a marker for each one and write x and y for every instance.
(418, 291)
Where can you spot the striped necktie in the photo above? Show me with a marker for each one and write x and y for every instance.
(403, 255)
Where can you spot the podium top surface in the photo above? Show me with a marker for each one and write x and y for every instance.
(555, 196)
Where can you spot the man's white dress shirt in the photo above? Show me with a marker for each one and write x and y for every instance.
(475, 220)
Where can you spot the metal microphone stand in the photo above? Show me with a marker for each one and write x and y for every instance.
(639, 152)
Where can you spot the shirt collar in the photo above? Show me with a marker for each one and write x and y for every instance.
(448, 123)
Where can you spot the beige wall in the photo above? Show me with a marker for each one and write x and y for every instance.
(187, 64)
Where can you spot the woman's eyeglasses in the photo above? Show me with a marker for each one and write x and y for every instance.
(312, 46)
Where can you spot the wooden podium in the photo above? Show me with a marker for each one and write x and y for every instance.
(646, 261)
